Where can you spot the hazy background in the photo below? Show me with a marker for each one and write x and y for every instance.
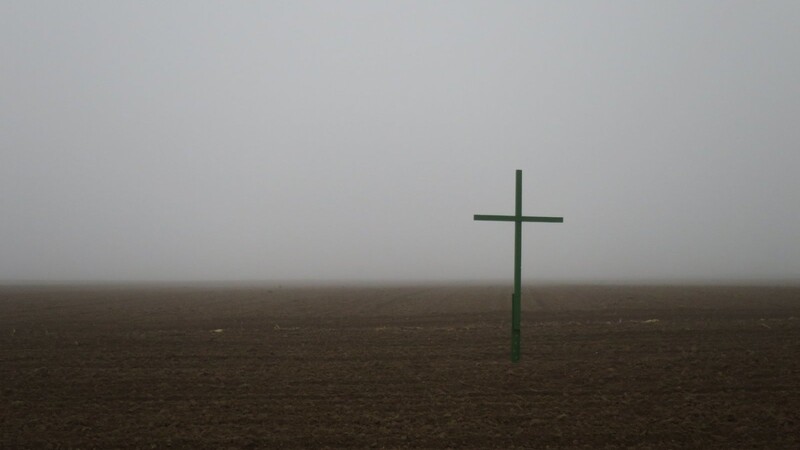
(354, 141)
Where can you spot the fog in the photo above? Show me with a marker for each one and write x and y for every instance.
(354, 141)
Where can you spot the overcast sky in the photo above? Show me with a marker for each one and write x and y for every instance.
(320, 141)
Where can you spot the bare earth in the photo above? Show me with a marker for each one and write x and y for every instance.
(608, 366)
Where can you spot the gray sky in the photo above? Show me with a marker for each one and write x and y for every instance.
(149, 140)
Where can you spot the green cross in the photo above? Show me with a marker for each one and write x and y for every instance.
(517, 218)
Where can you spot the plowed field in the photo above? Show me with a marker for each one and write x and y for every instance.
(158, 367)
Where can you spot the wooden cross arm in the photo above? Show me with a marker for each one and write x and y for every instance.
(521, 219)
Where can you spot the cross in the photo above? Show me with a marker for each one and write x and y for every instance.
(517, 218)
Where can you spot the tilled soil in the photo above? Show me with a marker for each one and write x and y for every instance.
(399, 367)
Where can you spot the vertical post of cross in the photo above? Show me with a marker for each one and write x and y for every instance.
(516, 297)
(516, 303)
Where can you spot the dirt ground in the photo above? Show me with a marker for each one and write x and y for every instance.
(399, 367)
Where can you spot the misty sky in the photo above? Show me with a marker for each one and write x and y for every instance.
(319, 141)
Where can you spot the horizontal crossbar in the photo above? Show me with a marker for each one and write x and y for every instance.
(521, 219)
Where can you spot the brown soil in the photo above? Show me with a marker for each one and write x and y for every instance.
(399, 367)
